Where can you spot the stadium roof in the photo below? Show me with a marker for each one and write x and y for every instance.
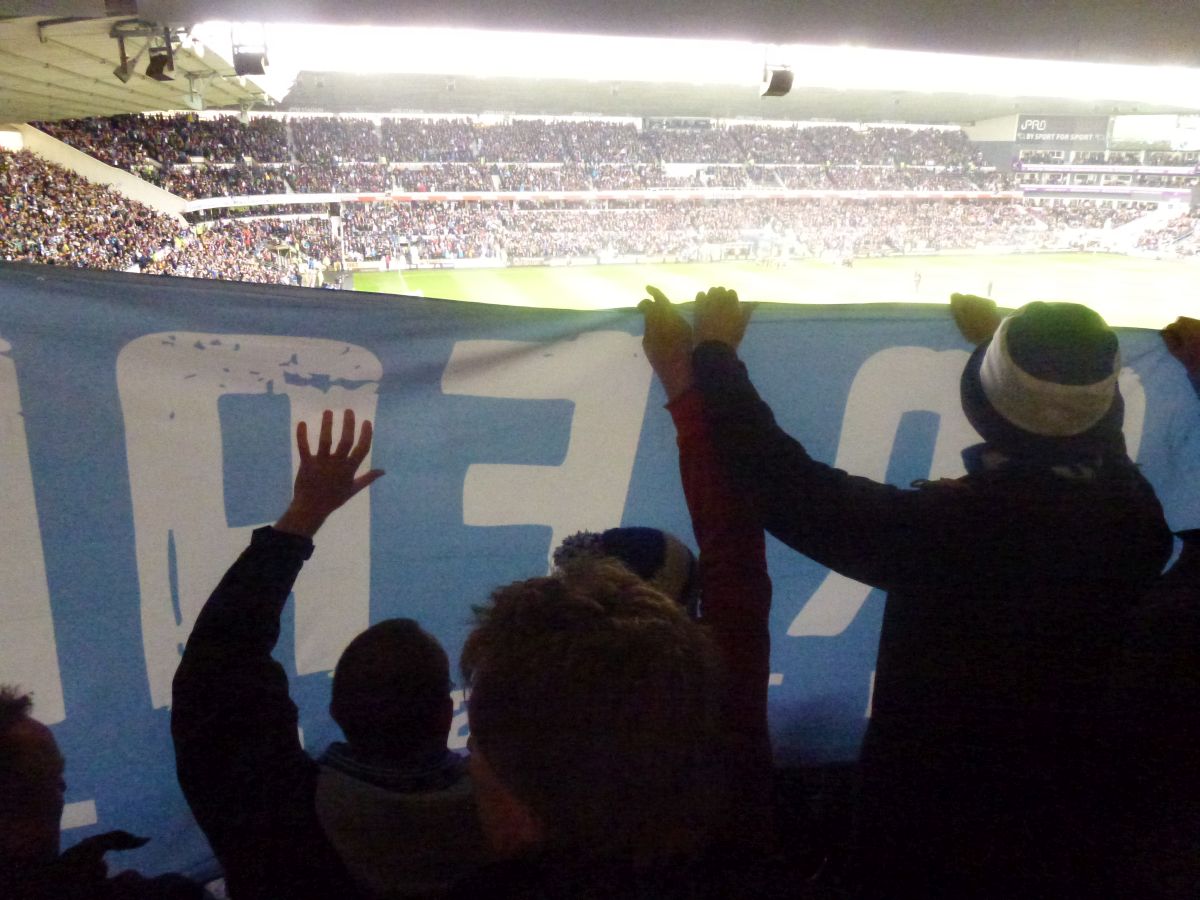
(63, 68)
(1151, 32)
(56, 68)
(344, 92)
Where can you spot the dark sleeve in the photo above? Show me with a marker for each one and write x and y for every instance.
(238, 755)
(872, 532)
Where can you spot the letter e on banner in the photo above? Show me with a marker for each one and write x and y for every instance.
(171, 386)
(588, 489)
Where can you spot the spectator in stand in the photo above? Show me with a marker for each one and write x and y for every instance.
(524, 140)
(390, 812)
(1179, 237)
(53, 216)
(429, 140)
(325, 140)
(31, 805)
(695, 145)
(606, 142)
(236, 180)
(451, 177)
(339, 177)
(542, 178)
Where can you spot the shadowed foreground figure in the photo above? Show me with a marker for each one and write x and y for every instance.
(1156, 714)
(390, 812)
(597, 748)
(31, 805)
(1008, 590)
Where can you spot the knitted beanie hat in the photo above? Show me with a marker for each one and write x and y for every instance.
(655, 556)
(1046, 383)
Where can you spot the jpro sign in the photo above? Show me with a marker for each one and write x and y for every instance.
(1076, 132)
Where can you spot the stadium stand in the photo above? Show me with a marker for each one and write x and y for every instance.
(952, 201)
(1179, 237)
(595, 155)
(52, 216)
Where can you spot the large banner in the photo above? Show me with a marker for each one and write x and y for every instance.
(146, 428)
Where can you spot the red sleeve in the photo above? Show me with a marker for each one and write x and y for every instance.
(735, 593)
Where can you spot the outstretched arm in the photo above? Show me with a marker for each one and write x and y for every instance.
(238, 755)
(734, 584)
(861, 528)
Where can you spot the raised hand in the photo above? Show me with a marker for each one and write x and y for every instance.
(667, 342)
(976, 317)
(327, 478)
(1182, 338)
(720, 316)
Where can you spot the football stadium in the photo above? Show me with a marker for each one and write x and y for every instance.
(878, 578)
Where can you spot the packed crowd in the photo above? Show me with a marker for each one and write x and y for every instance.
(1088, 214)
(1033, 705)
(840, 145)
(179, 138)
(330, 153)
(804, 227)
(1179, 237)
(325, 140)
(52, 216)
(310, 178)
(877, 178)
(195, 180)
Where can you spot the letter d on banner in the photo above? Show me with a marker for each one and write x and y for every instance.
(170, 387)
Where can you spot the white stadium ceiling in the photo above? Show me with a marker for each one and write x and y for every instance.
(1149, 32)
(59, 63)
(63, 68)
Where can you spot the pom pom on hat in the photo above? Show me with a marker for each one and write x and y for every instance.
(655, 556)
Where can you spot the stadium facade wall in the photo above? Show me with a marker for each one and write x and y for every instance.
(995, 139)
(1002, 129)
(998, 153)
(11, 139)
(126, 183)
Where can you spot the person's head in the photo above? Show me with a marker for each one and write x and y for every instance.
(594, 717)
(31, 782)
(655, 556)
(391, 691)
(1045, 383)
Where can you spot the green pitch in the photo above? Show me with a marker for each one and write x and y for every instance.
(1125, 290)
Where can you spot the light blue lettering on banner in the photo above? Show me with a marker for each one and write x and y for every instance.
(146, 428)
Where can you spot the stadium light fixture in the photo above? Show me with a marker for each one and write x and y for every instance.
(250, 60)
(162, 63)
(777, 81)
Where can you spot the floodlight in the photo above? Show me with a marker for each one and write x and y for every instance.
(123, 74)
(250, 60)
(162, 60)
(777, 81)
